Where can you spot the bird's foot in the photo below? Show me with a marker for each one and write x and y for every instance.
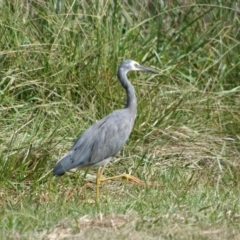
(132, 179)
(137, 181)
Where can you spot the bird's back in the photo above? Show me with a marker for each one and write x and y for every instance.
(101, 141)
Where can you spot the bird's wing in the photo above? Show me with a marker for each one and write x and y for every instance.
(102, 140)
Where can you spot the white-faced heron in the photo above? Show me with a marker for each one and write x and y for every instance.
(104, 139)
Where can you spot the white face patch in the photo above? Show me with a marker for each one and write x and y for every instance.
(134, 65)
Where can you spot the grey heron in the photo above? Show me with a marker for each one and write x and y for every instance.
(105, 138)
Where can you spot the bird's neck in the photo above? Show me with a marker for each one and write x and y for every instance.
(131, 96)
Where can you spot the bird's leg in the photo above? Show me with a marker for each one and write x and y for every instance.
(99, 180)
(135, 180)
(129, 177)
(126, 176)
(98, 183)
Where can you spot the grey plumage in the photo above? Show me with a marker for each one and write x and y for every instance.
(104, 139)
(101, 141)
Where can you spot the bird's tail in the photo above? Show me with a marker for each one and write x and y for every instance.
(63, 165)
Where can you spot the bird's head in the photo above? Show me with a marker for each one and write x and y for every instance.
(131, 65)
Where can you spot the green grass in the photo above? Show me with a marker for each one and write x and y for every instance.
(58, 76)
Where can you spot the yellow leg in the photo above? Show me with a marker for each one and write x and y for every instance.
(126, 176)
(135, 180)
(98, 181)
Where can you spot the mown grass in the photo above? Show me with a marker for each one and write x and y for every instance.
(58, 65)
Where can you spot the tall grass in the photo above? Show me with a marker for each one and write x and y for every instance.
(58, 62)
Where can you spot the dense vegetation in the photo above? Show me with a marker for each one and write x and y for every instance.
(58, 62)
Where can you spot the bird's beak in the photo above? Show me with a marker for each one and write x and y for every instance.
(145, 69)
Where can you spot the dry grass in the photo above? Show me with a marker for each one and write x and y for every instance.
(119, 226)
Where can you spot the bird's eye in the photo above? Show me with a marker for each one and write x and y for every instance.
(135, 65)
